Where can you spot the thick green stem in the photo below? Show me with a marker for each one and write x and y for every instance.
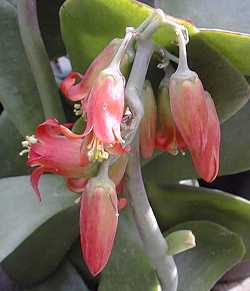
(38, 58)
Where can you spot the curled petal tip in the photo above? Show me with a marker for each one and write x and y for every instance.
(34, 179)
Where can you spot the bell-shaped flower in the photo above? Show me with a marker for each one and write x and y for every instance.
(104, 110)
(104, 106)
(51, 151)
(207, 162)
(77, 87)
(168, 137)
(98, 222)
(147, 128)
(189, 109)
(188, 102)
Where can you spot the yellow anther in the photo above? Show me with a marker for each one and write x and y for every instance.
(96, 151)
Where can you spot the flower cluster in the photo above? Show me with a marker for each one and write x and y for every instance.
(187, 120)
(55, 148)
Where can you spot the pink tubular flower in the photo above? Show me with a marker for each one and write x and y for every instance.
(168, 137)
(189, 109)
(98, 222)
(51, 151)
(207, 163)
(76, 91)
(101, 91)
(148, 123)
(77, 87)
(104, 110)
(188, 102)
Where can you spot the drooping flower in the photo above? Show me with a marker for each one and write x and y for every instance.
(104, 102)
(189, 109)
(147, 128)
(104, 110)
(168, 137)
(77, 87)
(98, 222)
(195, 116)
(207, 163)
(51, 151)
(188, 102)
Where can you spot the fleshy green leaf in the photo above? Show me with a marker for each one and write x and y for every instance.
(35, 236)
(234, 46)
(66, 278)
(38, 59)
(216, 246)
(11, 163)
(48, 16)
(230, 15)
(89, 25)
(177, 204)
(18, 92)
(217, 251)
(128, 268)
(226, 14)
(227, 85)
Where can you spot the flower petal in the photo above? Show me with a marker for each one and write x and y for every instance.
(72, 90)
(34, 179)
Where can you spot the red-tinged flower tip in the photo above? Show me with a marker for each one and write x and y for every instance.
(50, 151)
(168, 137)
(147, 128)
(104, 110)
(77, 87)
(207, 163)
(98, 222)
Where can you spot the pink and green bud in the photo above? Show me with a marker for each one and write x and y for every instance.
(98, 222)
(207, 163)
(147, 128)
(189, 109)
(168, 137)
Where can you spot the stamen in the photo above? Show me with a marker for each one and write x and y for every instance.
(96, 151)
(27, 143)
(78, 109)
(77, 106)
(24, 152)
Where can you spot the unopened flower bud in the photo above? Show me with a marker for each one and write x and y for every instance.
(207, 163)
(148, 123)
(189, 109)
(98, 222)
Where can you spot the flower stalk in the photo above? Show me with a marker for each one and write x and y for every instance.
(154, 243)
